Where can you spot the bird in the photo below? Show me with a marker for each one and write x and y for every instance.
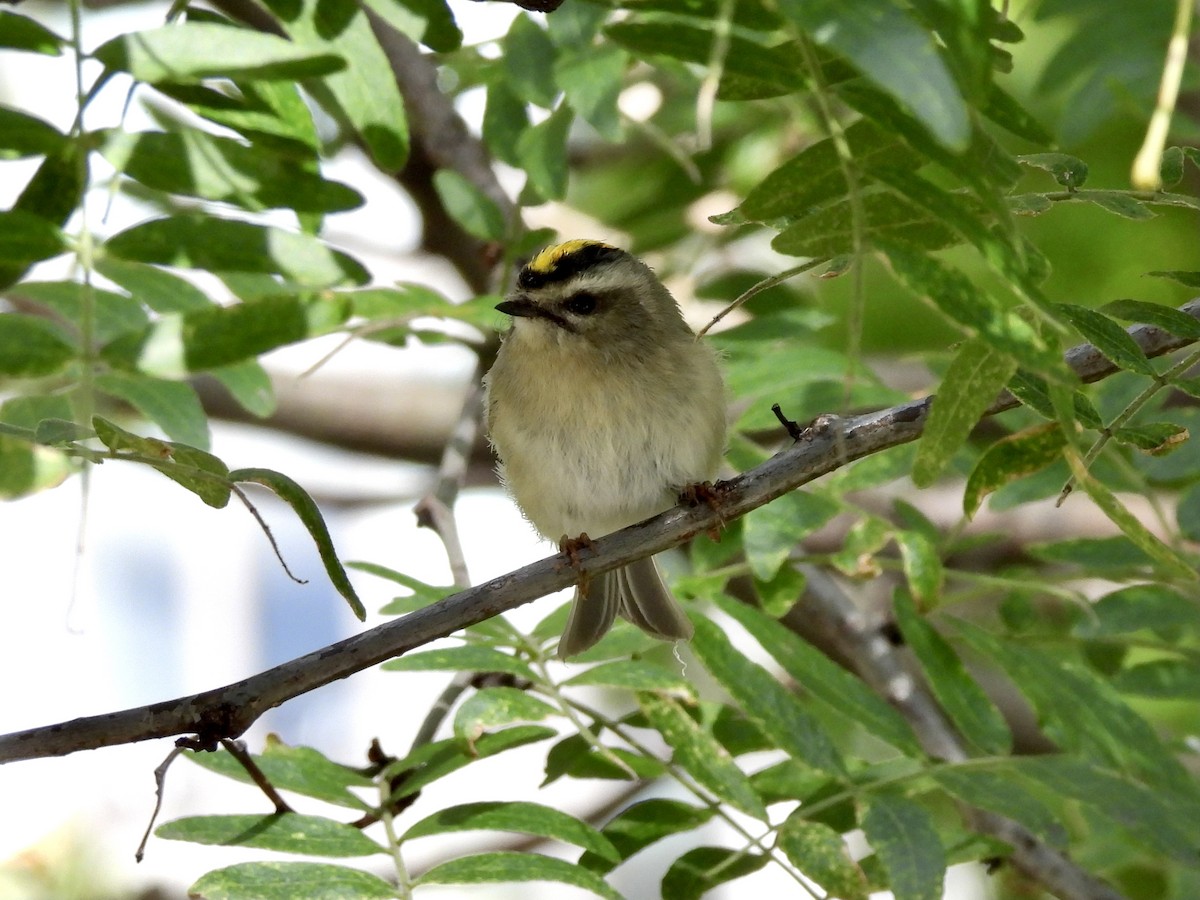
(602, 406)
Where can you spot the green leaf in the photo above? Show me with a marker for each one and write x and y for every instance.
(542, 154)
(782, 592)
(591, 79)
(923, 569)
(22, 33)
(768, 704)
(469, 206)
(1190, 279)
(830, 230)
(529, 62)
(814, 175)
(957, 297)
(171, 405)
(1162, 679)
(249, 384)
(903, 836)
(579, 759)
(196, 50)
(25, 468)
(1011, 458)
(1154, 438)
(772, 532)
(310, 516)
(271, 113)
(1117, 202)
(1187, 513)
(27, 238)
(429, 22)
(1137, 607)
(642, 824)
(112, 314)
(437, 760)
(824, 679)
(1106, 336)
(301, 770)
(1082, 713)
(365, 92)
(1166, 557)
(975, 376)
(468, 658)
(967, 704)
(196, 164)
(24, 135)
(31, 346)
(1068, 171)
(1168, 318)
(699, 753)
(1001, 793)
(703, 868)
(821, 854)
(504, 121)
(282, 880)
(896, 52)
(201, 473)
(512, 866)
(222, 335)
(224, 245)
(494, 706)
(286, 832)
(519, 817)
(161, 291)
(631, 674)
(1160, 820)
(1003, 109)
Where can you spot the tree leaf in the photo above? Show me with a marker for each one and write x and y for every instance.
(1155, 607)
(769, 705)
(301, 770)
(23, 33)
(429, 22)
(23, 135)
(591, 79)
(436, 760)
(512, 866)
(1004, 794)
(224, 245)
(286, 832)
(923, 569)
(529, 62)
(468, 658)
(469, 206)
(821, 854)
(542, 153)
(222, 335)
(365, 92)
(1011, 458)
(171, 405)
(772, 532)
(1165, 317)
(196, 50)
(282, 880)
(515, 816)
(1119, 203)
(703, 868)
(976, 375)
(970, 708)
(824, 679)
(631, 674)
(896, 52)
(249, 384)
(495, 706)
(1161, 679)
(903, 836)
(1106, 336)
(31, 346)
(271, 113)
(1068, 171)
(196, 164)
(310, 516)
(28, 238)
(700, 755)
(642, 824)
(162, 291)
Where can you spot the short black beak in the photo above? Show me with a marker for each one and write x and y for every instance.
(520, 306)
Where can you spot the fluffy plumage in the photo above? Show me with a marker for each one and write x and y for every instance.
(602, 406)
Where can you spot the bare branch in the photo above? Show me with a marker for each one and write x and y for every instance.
(227, 712)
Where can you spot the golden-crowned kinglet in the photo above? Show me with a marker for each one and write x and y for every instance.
(602, 406)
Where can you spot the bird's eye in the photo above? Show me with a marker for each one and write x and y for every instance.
(581, 304)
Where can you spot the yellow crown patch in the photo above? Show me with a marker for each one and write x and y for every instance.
(546, 261)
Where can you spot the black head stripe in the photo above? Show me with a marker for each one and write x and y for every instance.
(566, 266)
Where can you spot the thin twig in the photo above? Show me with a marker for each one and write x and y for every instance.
(226, 712)
(160, 778)
(238, 751)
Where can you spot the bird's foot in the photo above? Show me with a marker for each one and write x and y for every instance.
(572, 547)
(710, 493)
